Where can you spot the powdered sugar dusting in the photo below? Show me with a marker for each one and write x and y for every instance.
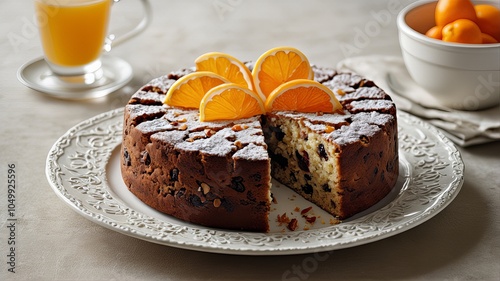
(252, 152)
(353, 133)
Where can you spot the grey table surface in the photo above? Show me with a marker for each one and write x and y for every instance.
(55, 243)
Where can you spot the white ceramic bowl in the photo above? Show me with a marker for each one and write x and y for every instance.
(460, 76)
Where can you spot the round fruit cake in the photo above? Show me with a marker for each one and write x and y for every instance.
(218, 174)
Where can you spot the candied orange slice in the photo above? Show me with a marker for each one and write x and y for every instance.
(226, 66)
(188, 91)
(277, 66)
(230, 102)
(303, 95)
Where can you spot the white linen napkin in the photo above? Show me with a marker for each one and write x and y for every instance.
(465, 128)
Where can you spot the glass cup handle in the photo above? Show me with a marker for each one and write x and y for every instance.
(113, 40)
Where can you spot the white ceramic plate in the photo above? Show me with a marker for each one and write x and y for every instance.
(36, 74)
(83, 169)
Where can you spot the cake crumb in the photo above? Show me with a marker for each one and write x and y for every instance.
(306, 210)
(293, 224)
(334, 221)
(311, 219)
(282, 219)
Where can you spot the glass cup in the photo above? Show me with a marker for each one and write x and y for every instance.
(74, 35)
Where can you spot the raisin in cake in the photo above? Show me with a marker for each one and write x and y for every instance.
(218, 174)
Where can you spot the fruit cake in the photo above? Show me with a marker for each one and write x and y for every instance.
(218, 174)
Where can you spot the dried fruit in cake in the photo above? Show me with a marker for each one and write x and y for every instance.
(488, 20)
(278, 66)
(303, 95)
(226, 66)
(448, 11)
(462, 31)
(188, 91)
(230, 102)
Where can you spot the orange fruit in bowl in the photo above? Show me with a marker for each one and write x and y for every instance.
(448, 11)
(230, 102)
(435, 32)
(188, 91)
(303, 95)
(488, 39)
(462, 31)
(277, 66)
(488, 20)
(226, 66)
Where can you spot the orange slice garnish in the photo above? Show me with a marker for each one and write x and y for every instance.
(230, 102)
(303, 95)
(278, 66)
(188, 91)
(226, 66)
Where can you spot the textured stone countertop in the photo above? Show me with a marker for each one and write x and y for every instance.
(52, 242)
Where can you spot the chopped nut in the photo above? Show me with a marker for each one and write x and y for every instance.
(174, 123)
(283, 219)
(151, 88)
(297, 209)
(329, 129)
(183, 127)
(205, 187)
(239, 127)
(304, 211)
(293, 225)
(238, 144)
(340, 92)
(182, 120)
(217, 202)
(310, 220)
(176, 114)
(209, 132)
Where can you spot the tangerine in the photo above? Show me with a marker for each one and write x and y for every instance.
(448, 11)
(435, 32)
(462, 31)
(488, 20)
(488, 39)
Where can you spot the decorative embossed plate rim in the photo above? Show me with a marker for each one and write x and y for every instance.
(76, 169)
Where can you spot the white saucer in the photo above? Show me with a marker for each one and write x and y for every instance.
(36, 75)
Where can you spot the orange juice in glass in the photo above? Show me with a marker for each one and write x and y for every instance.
(73, 33)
